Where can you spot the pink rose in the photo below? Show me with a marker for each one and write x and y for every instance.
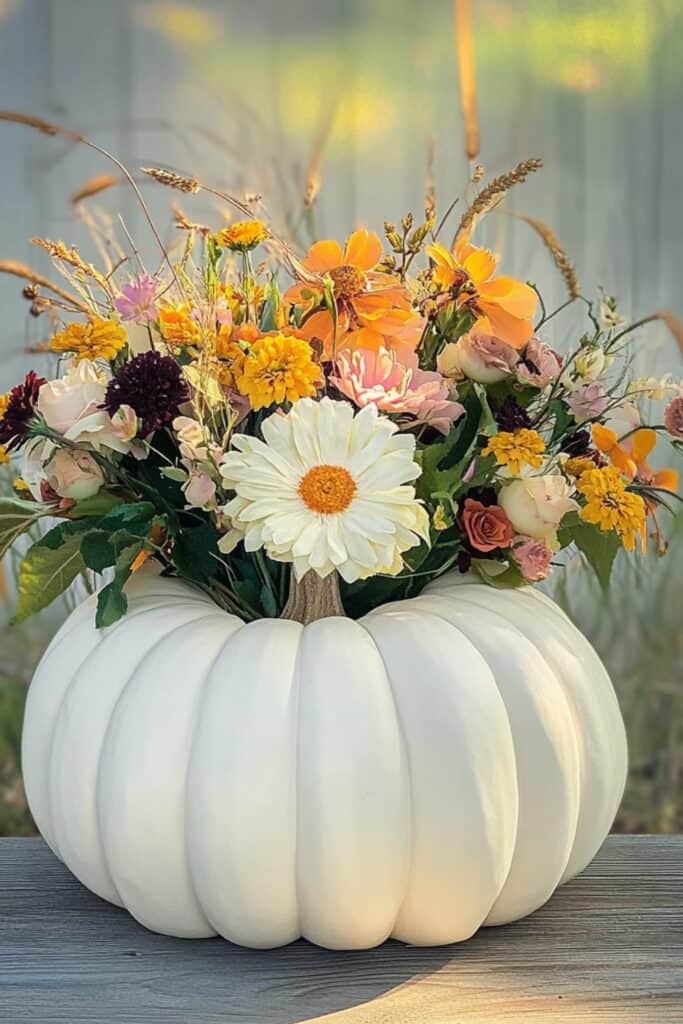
(487, 526)
(479, 356)
(533, 558)
(673, 417)
(588, 401)
(371, 377)
(541, 365)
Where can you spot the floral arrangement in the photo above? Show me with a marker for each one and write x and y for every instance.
(388, 413)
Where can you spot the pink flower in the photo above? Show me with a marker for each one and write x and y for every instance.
(533, 558)
(371, 377)
(199, 490)
(137, 299)
(673, 417)
(588, 401)
(479, 356)
(541, 365)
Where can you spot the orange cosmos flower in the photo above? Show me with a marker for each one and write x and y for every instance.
(508, 304)
(373, 309)
(631, 457)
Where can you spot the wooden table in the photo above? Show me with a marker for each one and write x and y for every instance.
(608, 947)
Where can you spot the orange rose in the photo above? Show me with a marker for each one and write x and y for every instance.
(487, 526)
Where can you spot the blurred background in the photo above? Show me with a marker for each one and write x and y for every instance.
(362, 99)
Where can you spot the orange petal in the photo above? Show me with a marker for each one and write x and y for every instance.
(667, 479)
(463, 249)
(515, 297)
(441, 256)
(604, 438)
(480, 265)
(324, 256)
(363, 249)
(642, 443)
(505, 326)
(365, 337)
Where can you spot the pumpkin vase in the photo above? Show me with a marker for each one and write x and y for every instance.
(442, 763)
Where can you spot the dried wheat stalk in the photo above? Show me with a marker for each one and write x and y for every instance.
(491, 194)
(25, 272)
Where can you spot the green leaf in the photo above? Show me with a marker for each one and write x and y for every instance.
(268, 602)
(45, 573)
(97, 550)
(599, 548)
(135, 518)
(63, 532)
(563, 420)
(112, 602)
(174, 473)
(16, 517)
(99, 505)
(195, 553)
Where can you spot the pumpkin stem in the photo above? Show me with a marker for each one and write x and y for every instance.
(312, 598)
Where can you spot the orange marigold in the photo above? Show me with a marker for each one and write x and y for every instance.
(177, 325)
(242, 236)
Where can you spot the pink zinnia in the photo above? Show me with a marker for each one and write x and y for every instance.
(371, 377)
(137, 299)
(541, 365)
(588, 401)
(673, 417)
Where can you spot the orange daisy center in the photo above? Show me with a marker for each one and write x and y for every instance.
(348, 281)
(327, 489)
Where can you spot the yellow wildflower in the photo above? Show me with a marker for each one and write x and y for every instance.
(610, 506)
(98, 339)
(4, 402)
(242, 236)
(278, 368)
(20, 486)
(177, 325)
(231, 355)
(4, 455)
(516, 449)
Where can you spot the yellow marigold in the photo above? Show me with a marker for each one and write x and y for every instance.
(97, 339)
(4, 402)
(4, 455)
(578, 465)
(611, 506)
(242, 236)
(278, 368)
(516, 449)
(177, 325)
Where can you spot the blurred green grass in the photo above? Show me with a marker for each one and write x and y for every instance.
(635, 629)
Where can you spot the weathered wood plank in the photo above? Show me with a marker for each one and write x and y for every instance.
(607, 948)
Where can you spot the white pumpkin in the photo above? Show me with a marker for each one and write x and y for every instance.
(443, 763)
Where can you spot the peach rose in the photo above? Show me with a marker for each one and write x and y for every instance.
(487, 526)
(536, 505)
(73, 474)
(541, 365)
(64, 401)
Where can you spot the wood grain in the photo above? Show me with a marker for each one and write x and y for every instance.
(607, 948)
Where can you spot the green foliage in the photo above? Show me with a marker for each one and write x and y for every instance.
(195, 552)
(16, 518)
(112, 602)
(599, 548)
(48, 568)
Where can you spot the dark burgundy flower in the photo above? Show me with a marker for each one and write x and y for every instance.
(511, 416)
(577, 443)
(153, 385)
(14, 425)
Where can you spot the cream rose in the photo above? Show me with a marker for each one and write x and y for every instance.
(536, 505)
(73, 474)
(70, 398)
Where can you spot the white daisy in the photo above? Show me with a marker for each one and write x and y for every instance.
(327, 489)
